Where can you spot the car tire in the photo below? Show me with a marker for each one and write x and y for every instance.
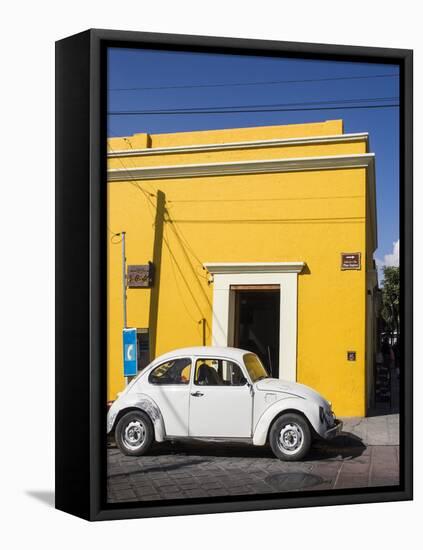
(134, 433)
(290, 437)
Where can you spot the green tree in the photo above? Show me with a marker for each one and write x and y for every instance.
(390, 299)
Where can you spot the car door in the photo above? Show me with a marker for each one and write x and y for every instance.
(220, 400)
(169, 385)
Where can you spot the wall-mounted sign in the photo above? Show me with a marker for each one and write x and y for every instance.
(140, 276)
(350, 260)
(130, 359)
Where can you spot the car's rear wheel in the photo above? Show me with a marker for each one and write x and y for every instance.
(134, 433)
(290, 437)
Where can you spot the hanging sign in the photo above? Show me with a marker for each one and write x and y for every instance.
(140, 276)
(130, 360)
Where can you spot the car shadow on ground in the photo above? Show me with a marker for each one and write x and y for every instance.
(168, 467)
(344, 446)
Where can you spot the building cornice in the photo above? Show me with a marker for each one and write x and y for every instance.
(362, 160)
(256, 144)
(334, 162)
(250, 267)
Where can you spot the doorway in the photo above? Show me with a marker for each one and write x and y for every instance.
(257, 323)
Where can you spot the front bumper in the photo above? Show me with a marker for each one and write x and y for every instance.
(335, 430)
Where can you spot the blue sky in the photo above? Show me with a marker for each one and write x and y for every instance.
(182, 80)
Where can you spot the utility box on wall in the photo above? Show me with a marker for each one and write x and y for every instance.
(130, 359)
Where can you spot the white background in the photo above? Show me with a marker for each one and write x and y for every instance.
(28, 32)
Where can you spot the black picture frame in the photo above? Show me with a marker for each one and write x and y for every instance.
(81, 272)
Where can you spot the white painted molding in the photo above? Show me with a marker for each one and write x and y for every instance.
(364, 160)
(254, 274)
(249, 267)
(256, 144)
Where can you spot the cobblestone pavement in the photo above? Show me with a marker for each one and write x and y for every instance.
(198, 469)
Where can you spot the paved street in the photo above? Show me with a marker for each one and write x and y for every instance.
(366, 454)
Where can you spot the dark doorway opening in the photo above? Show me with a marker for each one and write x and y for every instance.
(257, 320)
(143, 348)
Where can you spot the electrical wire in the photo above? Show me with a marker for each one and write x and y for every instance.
(263, 83)
(264, 110)
(133, 180)
(174, 263)
(290, 104)
(194, 202)
(183, 241)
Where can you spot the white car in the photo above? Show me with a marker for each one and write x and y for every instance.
(219, 394)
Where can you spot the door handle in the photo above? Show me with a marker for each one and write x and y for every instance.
(197, 394)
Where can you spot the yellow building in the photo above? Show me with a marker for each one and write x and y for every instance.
(261, 238)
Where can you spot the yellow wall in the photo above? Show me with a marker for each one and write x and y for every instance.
(309, 216)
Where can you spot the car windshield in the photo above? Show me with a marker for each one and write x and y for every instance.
(254, 367)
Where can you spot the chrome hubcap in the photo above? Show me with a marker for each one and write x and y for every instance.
(134, 434)
(291, 438)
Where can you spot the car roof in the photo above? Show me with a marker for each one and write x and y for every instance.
(201, 351)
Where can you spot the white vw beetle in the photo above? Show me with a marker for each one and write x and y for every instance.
(218, 393)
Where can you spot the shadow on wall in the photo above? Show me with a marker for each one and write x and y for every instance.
(306, 270)
(157, 262)
(187, 251)
(163, 217)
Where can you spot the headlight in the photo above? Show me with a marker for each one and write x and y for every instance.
(326, 415)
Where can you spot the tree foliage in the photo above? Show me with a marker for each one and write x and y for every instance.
(390, 299)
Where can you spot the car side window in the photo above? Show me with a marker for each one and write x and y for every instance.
(175, 371)
(218, 372)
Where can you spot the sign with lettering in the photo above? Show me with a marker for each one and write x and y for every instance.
(130, 359)
(350, 260)
(140, 276)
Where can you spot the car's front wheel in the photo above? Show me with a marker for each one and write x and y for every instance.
(290, 437)
(134, 433)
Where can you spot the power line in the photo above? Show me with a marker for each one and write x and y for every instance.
(194, 202)
(335, 220)
(264, 110)
(264, 83)
(290, 104)
(134, 181)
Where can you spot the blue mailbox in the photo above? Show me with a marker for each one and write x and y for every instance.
(130, 360)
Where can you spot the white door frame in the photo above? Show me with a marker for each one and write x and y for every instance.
(283, 274)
